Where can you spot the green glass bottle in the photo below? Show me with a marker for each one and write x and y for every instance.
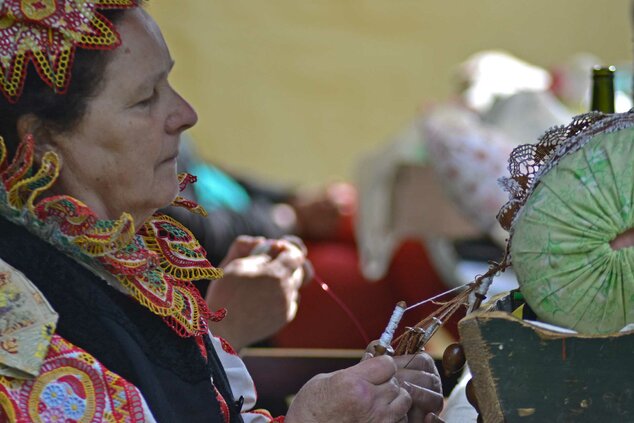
(603, 89)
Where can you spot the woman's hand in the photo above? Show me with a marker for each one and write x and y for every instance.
(421, 380)
(368, 392)
(419, 376)
(259, 289)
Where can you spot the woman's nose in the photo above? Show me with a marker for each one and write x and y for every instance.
(182, 117)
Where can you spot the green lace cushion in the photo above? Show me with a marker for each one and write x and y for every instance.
(561, 254)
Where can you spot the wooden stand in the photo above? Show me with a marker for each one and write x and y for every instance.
(523, 373)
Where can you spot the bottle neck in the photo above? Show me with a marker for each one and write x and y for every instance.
(603, 90)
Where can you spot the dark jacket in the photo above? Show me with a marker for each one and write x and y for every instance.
(126, 337)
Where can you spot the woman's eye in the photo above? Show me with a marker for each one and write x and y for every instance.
(147, 101)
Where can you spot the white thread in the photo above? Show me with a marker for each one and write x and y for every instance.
(442, 294)
(388, 334)
(482, 291)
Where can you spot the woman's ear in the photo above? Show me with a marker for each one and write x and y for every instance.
(31, 124)
(28, 124)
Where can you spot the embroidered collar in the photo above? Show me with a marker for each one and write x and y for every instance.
(155, 265)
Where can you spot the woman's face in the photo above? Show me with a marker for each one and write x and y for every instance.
(121, 157)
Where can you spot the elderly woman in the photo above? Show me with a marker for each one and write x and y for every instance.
(99, 319)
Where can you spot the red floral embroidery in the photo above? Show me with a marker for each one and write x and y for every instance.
(185, 179)
(227, 347)
(47, 33)
(218, 315)
(72, 386)
(266, 414)
(201, 345)
(224, 408)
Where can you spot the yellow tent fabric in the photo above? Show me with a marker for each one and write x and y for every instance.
(296, 90)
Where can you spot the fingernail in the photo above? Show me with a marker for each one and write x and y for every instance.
(409, 385)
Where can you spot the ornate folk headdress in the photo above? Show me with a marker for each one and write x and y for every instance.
(47, 32)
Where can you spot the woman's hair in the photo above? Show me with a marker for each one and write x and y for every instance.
(58, 112)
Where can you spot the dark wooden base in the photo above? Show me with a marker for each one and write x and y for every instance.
(527, 374)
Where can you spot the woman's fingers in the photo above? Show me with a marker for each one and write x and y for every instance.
(393, 400)
(401, 404)
(377, 371)
(420, 361)
(309, 272)
(433, 418)
(242, 247)
(366, 392)
(421, 378)
(418, 374)
(297, 241)
(423, 398)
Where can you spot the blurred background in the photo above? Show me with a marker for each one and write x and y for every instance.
(295, 91)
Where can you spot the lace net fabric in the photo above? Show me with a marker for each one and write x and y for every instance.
(530, 161)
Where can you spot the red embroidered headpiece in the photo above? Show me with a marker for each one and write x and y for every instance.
(47, 33)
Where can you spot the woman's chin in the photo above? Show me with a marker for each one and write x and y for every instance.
(171, 194)
(165, 193)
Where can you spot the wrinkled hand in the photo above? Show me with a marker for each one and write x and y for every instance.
(368, 392)
(259, 291)
(419, 376)
(319, 213)
(421, 380)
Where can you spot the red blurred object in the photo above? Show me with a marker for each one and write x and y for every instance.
(321, 322)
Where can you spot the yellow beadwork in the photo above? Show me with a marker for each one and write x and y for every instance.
(24, 192)
(44, 9)
(98, 242)
(47, 33)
